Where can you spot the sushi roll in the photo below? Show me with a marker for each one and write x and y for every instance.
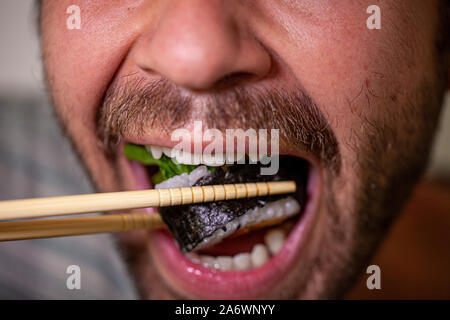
(199, 226)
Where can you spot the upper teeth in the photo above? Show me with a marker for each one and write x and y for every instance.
(155, 151)
(218, 159)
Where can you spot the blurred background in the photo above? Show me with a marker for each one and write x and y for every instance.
(35, 160)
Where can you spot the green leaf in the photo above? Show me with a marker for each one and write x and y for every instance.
(157, 178)
(140, 154)
(167, 168)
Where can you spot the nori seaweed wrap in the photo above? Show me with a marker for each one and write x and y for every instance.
(192, 223)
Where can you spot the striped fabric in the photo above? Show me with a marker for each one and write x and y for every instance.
(35, 160)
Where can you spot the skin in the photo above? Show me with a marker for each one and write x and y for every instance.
(379, 90)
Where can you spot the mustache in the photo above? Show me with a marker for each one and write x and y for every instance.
(132, 106)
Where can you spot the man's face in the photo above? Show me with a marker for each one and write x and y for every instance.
(365, 128)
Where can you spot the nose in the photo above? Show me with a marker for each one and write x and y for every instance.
(197, 43)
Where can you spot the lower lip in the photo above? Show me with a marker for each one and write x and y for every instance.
(195, 281)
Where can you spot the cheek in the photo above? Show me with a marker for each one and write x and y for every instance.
(79, 67)
(357, 77)
(354, 73)
(81, 63)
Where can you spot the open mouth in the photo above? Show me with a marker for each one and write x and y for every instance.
(221, 243)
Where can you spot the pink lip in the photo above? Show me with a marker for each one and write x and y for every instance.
(194, 281)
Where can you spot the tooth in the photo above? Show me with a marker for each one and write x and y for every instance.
(261, 155)
(207, 159)
(225, 263)
(197, 158)
(270, 211)
(279, 211)
(168, 152)
(261, 215)
(216, 264)
(207, 261)
(155, 151)
(240, 158)
(253, 157)
(264, 159)
(215, 160)
(241, 261)
(230, 158)
(292, 207)
(184, 157)
(274, 240)
(259, 255)
(195, 258)
(179, 156)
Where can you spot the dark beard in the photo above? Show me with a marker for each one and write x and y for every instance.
(133, 106)
(385, 181)
(391, 159)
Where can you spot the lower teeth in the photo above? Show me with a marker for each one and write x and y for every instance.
(260, 254)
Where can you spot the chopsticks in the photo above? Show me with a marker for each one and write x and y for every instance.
(112, 201)
(99, 202)
(62, 227)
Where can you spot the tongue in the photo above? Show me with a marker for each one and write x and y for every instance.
(234, 245)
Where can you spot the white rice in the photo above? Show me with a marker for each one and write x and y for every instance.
(184, 179)
(281, 209)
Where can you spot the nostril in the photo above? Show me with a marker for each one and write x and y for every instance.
(239, 76)
(234, 79)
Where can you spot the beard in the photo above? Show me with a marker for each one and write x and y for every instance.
(390, 152)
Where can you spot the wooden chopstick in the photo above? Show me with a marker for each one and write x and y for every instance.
(61, 227)
(101, 202)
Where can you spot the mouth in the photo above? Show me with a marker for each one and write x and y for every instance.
(227, 249)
